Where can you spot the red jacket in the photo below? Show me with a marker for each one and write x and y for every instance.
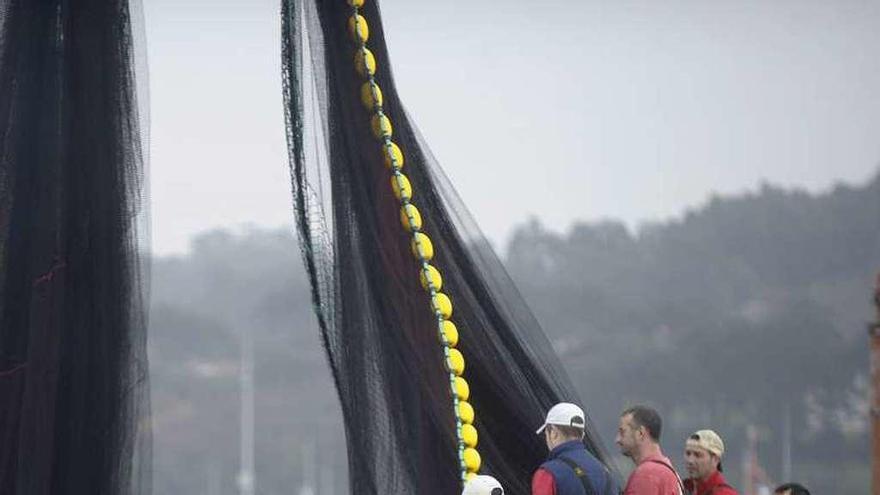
(713, 485)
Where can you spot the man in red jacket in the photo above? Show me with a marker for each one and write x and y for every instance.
(702, 458)
(638, 436)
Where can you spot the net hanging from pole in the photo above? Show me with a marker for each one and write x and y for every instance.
(73, 370)
(375, 289)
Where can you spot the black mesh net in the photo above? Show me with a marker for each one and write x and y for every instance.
(72, 331)
(376, 320)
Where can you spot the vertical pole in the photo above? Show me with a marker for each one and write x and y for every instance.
(246, 479)
(786, 444)
(874, 332)
(214, 480)
(751, 462)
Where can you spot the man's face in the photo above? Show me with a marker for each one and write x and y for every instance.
(699, 462)
(628, 435)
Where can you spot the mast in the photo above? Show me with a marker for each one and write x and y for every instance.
(786, 444)
(874, 332)
(246, 482)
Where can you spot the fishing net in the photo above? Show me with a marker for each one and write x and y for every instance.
(73, 368)
(381, 326)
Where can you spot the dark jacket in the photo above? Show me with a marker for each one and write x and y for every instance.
(566, 482)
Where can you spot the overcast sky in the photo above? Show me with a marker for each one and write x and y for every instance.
(561, 109)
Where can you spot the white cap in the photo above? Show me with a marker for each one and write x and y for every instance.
(564, 414)
(482, 485)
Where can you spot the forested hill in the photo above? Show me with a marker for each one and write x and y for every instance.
(746, 310)
(743, 308)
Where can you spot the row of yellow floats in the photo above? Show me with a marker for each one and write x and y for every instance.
(422, 248)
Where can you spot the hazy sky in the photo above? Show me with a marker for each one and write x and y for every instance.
(561, 109)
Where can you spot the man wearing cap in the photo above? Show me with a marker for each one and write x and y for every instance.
(482, 485)
(702, 457)
(570, 469)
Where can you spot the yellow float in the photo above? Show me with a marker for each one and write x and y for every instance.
(420, 244)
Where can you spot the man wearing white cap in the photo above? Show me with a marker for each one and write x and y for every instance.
(702, 457)
(570, 469)
(482, 485)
